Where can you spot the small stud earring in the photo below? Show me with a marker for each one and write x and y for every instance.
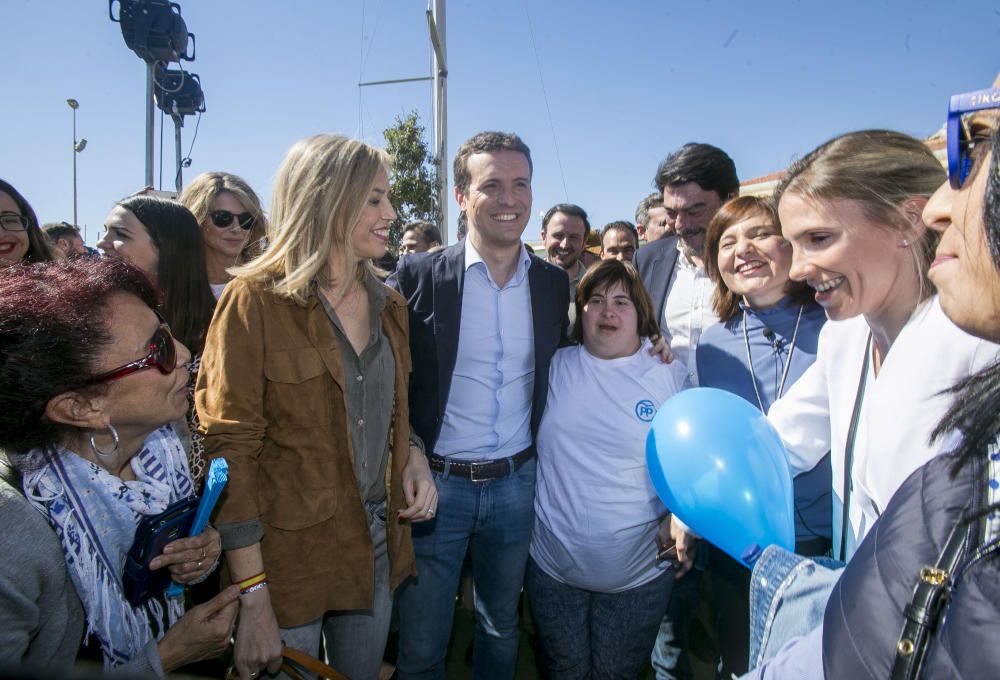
(905, 243)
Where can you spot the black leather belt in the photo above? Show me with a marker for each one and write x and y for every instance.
(483, 470)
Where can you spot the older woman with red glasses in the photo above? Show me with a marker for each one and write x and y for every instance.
(90, 380)
(232, 222)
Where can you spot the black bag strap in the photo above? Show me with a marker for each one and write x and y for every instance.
(932, 592)
(852, 433)
(930, 598)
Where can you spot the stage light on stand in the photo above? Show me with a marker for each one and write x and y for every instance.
(178, 94)
(156, 32)
(154, 29)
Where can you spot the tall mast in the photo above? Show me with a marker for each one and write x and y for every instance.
(436, 24)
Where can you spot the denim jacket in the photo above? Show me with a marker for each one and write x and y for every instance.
(788, 595)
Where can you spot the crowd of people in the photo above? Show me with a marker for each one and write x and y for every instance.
(475, 411)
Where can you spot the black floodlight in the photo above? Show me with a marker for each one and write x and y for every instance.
(153, 29)
(178, 93)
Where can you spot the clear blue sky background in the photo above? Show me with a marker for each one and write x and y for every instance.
(626, 83)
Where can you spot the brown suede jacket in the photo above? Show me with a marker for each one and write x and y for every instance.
(270, 396)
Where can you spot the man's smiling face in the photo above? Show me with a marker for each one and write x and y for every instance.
(564, 236)
(497, 201)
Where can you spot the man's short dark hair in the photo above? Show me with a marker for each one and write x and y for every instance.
(623, 226)
(708, 166)
(57, 230)
(425, 230)
(485, 142)
(567, 209)
(642, 210)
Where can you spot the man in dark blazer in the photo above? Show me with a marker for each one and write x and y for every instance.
(486, 317)
(655, 262)
(696, 180)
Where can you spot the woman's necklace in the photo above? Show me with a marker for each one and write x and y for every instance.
(348, 301)
(788, 361)
(876, 358)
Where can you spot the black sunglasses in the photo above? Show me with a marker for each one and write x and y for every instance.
(162, 354)
(223, 219)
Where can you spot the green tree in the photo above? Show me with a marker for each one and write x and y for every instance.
(414, 182)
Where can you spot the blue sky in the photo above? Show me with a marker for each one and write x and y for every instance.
(626, 82)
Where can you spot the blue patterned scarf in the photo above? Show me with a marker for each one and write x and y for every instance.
(95, 515)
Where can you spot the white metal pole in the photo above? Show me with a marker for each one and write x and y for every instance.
(149, 124)
(441, 112)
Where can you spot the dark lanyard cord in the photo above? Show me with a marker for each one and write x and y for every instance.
(852, 433)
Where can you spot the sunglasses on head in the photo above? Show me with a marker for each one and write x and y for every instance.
(162, 354)
(960, 139)
(224, 218)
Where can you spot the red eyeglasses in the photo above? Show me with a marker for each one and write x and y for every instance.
(162, 354)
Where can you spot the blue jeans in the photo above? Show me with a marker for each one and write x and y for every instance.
(494, 518)
(354, 640)
(788, 595)
(586, 634)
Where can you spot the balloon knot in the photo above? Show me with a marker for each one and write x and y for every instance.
(750, 555)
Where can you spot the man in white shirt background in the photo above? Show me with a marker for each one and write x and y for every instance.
(696, 180)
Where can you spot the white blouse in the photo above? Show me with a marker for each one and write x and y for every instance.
(900, 408)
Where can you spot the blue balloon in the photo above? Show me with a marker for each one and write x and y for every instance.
(720, 466)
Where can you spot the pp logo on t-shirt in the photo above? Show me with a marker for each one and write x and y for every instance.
(645, 410)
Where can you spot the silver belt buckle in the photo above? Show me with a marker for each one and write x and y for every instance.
(472, 472)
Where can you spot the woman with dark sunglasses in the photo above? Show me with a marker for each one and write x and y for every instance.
(920, 598)
(161, 237)
(231, 219)
(21, 238)
(90, 380)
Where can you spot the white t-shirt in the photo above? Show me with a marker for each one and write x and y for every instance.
(596, 512)
(901, 407)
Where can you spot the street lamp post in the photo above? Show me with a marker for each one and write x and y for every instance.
(78, 146)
